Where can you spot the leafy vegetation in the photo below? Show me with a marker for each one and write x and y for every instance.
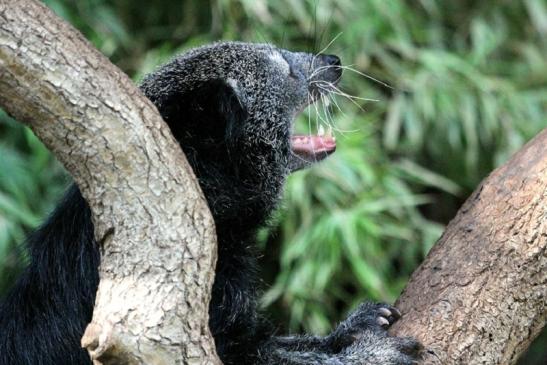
(460, 85)
(30, 183)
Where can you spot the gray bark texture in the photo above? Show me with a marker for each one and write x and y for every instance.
(480, 295)
(158, 237)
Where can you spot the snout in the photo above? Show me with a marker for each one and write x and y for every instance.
(330, 59)
(326, 74)
(331, 66)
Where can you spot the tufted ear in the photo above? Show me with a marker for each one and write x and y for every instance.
(206, 113)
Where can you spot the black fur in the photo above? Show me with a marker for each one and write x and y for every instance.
(43, 317)
(231, 107)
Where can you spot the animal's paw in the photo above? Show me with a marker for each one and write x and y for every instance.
(372, 316)
(363, 336)
(375, 317)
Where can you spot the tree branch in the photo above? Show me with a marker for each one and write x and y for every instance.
(480, 295)
(156, 231)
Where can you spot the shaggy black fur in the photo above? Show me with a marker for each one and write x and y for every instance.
(231, 107)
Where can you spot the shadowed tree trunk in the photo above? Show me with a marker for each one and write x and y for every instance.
(479, 297)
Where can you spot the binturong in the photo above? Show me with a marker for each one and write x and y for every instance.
(232, 107)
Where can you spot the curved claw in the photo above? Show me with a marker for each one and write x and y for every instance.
(387, 314)
(382, 321)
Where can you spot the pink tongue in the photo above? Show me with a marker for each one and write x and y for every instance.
(313, 144)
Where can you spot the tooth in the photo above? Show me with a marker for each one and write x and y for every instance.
(297, 141)
(329, 131)
(327, 101)
(305, 140)
(321, 131)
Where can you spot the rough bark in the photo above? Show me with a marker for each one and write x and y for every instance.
(480, 295)
(156, 230)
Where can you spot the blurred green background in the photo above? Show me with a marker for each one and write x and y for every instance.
(461, 86)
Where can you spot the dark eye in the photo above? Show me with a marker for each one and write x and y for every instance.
(292, 74)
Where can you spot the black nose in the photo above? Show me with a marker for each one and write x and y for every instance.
(331, 60)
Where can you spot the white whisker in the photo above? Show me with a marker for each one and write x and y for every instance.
(326, 85)
(330, 118)
(335, 102)
(330, 43)
(342, 94)
(350, 68)
(324, 49)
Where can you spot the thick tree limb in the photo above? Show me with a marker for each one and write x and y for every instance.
(149, 212)
(480, 295)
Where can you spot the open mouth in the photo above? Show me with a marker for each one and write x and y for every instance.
(308, 149)
(314, 148)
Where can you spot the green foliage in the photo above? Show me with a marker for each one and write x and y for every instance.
(30, 182)
(467, 87)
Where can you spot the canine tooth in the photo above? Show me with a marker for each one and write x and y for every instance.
(321, 131)
(327, 101)
(329, 131)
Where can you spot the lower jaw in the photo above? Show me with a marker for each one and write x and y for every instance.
(298, 161)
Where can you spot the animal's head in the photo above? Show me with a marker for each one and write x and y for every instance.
(232, 107)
